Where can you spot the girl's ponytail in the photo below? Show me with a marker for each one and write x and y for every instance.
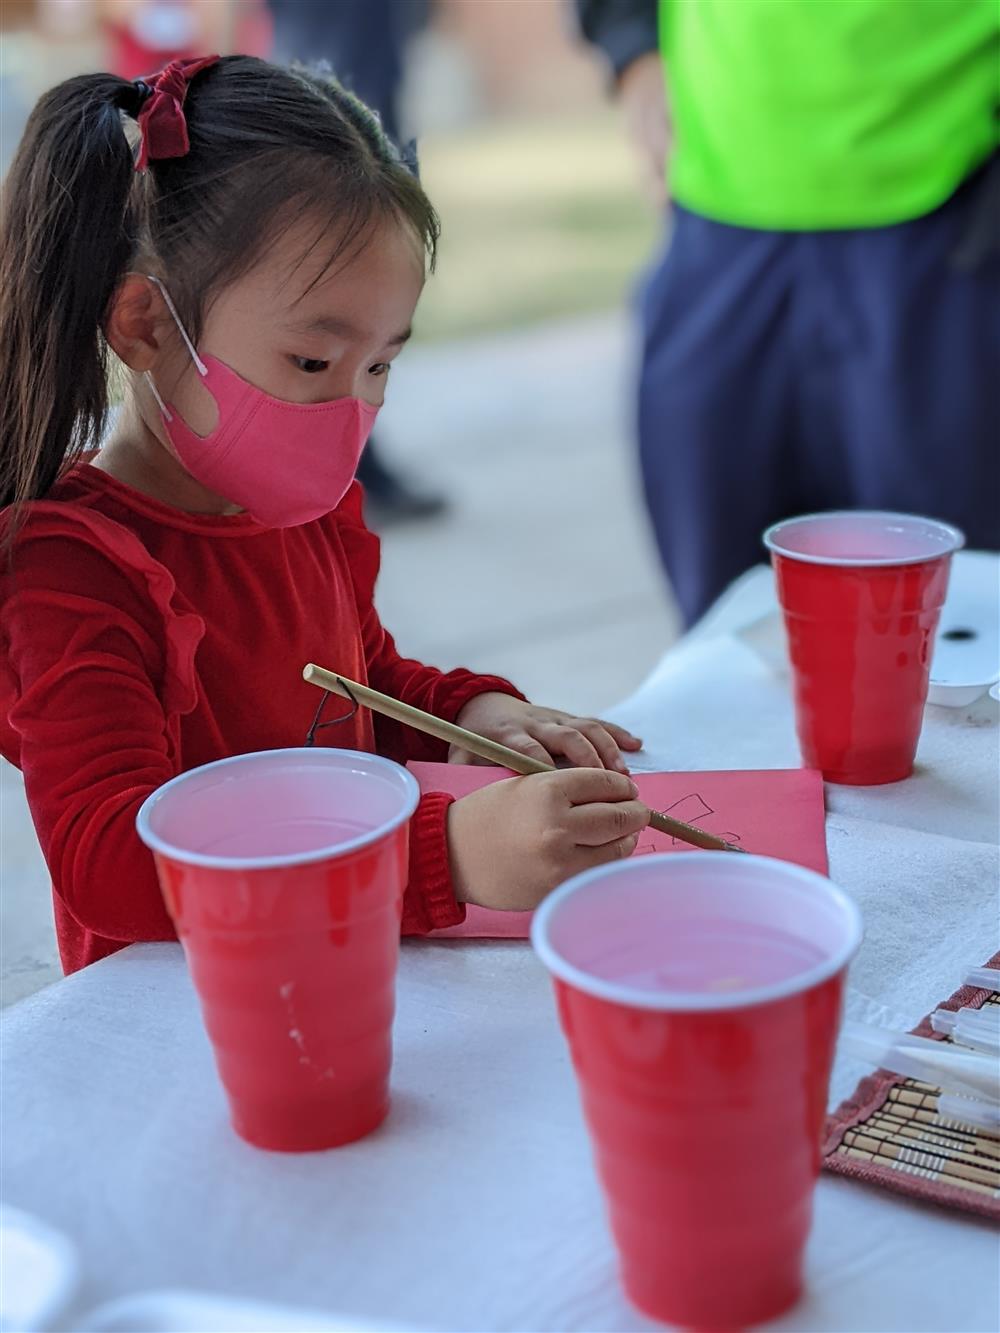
(67, 237)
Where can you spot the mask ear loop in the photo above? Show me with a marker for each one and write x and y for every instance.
(168, 301)
(167, 414)
(317, 725)
(200, 366)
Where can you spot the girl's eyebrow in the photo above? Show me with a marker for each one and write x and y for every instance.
(343, 328)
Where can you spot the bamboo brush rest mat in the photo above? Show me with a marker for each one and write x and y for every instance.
(889, 1133)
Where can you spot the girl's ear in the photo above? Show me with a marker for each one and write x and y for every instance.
(134, 314)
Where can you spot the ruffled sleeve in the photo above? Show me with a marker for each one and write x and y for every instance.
(444, 693)
(99, 667)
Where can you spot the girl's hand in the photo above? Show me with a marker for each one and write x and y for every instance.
(513, 842)
(543, 733)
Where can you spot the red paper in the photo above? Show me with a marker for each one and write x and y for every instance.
(773, 812)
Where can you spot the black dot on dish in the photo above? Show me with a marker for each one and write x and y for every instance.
(958, 635)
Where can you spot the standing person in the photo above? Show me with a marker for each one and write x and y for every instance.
(141, 36)
(822, 331)
(365, 42)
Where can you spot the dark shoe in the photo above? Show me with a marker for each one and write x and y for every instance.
(399, 502)
(389, 498)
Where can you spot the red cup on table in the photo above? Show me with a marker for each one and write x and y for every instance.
(700, 994)
(861, 594)
(284, 874)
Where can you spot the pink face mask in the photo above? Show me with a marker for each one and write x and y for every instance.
(284, 463)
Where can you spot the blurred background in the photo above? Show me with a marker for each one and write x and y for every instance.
(514, 537)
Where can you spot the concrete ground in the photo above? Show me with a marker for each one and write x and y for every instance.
(542, 570)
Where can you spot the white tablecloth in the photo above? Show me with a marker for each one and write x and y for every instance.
(476, 1206)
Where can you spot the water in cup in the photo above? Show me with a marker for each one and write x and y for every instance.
(289, 836)
(706, 955)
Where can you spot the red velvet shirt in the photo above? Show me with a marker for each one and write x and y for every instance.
(140, 641)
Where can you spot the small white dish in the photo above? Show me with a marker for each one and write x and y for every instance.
(966, 658)
(955, 696)
(40, 1272)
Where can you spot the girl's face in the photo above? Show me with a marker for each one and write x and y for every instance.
(299, 332)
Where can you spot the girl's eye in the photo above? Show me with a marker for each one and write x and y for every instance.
(379, 368)
(309, 365)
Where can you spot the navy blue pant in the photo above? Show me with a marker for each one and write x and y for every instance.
(364, 41)
(786, 372)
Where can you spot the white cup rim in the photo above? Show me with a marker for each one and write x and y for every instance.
(955, 540)
(410, 797)
(693, 1001)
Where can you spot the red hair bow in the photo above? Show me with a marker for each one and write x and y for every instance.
(162, 126)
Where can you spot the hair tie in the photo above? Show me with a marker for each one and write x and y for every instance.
(162, 126)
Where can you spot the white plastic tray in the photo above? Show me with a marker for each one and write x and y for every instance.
(39, 1272)
(40, 1287)
(195, 1312)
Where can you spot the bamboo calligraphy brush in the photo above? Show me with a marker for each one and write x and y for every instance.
(493, 751)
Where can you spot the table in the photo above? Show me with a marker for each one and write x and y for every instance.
(475, 1207)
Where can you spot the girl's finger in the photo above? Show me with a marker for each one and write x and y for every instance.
(567, 740)
(620, 850)
(623, 738)
(593, 786)
(605, 823)
(604, 743)
(525, 744)
(456, 755)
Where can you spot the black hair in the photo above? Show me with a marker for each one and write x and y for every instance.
(267, 145)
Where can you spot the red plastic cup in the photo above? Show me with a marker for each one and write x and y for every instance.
(862, 594)
(284, 874)
(700, 994)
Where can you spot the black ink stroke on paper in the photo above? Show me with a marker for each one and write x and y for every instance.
(691, 809)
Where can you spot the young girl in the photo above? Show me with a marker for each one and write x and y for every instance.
(249, 245)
